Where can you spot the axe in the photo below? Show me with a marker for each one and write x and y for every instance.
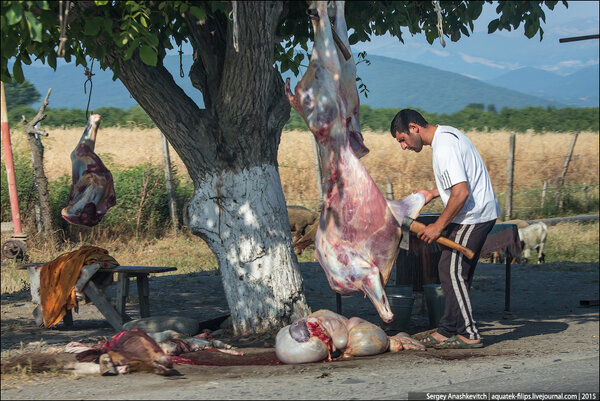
(410, 224)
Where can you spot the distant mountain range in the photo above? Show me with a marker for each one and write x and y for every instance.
(392, 83)
(579, 89)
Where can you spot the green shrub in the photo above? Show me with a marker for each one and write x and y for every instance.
(26, 191)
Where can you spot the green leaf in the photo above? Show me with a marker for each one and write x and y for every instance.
(134, 45)
(198, 12)
(5, 76)
(43, 5)
(18, 71)
(14, 14)
(35, 27)
(122, 39)
(93, 26)
(52, 60)
(108, 24)
(531, 28)
(101, 2)
(152, 39)
(148, 55)
(493, 25)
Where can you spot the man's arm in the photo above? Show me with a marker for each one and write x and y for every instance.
(458, 196)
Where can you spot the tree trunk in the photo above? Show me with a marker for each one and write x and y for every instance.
(41, 183)
(242, 218)
(230, 151)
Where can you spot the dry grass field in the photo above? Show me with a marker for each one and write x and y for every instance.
(538, 158)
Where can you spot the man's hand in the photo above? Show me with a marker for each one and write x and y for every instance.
(430, 233)
(429, 194)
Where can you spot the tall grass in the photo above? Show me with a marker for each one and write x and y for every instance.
(149, 241)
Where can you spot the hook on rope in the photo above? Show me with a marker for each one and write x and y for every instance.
(88, 73)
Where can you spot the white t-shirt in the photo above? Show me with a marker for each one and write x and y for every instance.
(455, 160)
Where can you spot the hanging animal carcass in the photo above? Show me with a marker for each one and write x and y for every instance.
(358, 236)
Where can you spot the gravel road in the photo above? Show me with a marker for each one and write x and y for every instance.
(548, 343)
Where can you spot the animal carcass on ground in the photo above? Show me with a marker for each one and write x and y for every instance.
(324, 333)
(533, 237)
(358, 232)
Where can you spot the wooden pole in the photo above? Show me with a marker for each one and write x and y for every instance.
(509, 178)
(389, 189)
(561, 181)
(318, 169)
(10, 167)
(544, 194)
(169, 183)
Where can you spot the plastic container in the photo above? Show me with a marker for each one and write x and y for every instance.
(401, 306)
(435, 301)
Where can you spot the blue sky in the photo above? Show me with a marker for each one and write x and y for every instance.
(485, 56)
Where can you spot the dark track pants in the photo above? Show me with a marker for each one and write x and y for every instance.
(456, 274)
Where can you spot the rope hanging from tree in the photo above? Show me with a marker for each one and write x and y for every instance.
(88, 73)
(235, 26)
(181, 74)
(440, 27)
(63, 16)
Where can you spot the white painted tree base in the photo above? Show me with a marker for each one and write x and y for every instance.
(242, 218)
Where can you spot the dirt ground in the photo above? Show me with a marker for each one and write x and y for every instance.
(549, 342)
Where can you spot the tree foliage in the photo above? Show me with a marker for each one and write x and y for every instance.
(149, 28)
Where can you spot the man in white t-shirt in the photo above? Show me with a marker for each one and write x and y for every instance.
(470, 212)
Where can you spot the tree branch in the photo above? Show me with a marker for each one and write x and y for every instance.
(208, 39)
(30, 127)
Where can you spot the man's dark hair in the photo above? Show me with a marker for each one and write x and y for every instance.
(405, 117)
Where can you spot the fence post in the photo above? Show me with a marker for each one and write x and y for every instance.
(389, 189)
(169, 183)
(561, 181)
(318, 169)
(509, 178)
(544, 194)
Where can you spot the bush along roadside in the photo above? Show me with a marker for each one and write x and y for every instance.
(142, 208)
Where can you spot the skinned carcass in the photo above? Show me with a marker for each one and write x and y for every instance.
(92, 191)
(358, 234)
(316, 337)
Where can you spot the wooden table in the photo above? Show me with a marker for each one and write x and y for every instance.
(504, 237)
(141, 275)
(116, 315)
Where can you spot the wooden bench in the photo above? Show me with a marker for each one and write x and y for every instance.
(115, 315)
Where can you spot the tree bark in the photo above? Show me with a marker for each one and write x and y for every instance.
(230, 151)
(239, 216)
(41, 180)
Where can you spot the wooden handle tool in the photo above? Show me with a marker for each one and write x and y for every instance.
(417, 227)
